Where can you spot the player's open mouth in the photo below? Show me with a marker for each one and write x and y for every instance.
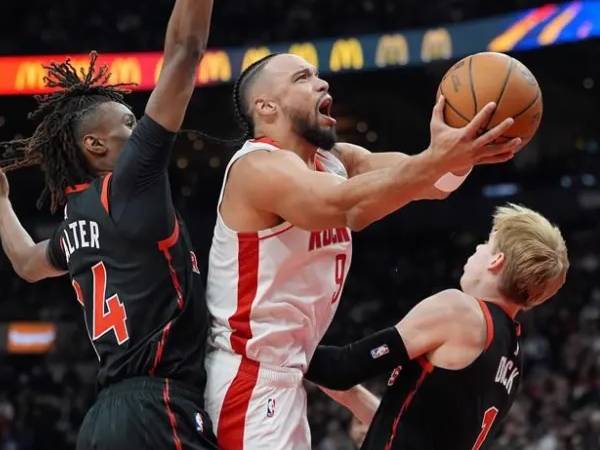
(325, 110)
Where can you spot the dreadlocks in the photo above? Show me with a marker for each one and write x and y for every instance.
(54, 143)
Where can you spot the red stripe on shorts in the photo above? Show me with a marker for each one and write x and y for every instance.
(171, 416)
(232, 420)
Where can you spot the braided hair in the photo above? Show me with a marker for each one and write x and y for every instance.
(241, 108)
(54, 144)
(240, 91)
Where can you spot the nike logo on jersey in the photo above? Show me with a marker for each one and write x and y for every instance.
(80, 234)
(507, 373)
(324, 238)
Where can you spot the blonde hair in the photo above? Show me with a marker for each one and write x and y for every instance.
(536, 260)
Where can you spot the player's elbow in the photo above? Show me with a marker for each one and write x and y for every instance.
(27, 272)
(357, 219)
(28, 276)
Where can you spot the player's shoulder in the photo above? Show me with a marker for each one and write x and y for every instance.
(456, 304)
(347, 152)
(264, 162)
(343, 148)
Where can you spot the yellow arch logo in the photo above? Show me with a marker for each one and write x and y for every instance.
(392, 50)
(307, 51)
(437, 44)
(126, 70)
(215, 66)
(254, 54)
(30, 75)
(346, 54)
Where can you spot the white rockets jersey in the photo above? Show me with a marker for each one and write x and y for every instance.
(272, 294)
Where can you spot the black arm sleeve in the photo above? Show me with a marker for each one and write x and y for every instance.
(55, 252)
(140, 195)
(340, 368)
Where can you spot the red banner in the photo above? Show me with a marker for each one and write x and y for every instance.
(22, 75)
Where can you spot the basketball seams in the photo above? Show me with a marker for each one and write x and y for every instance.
(502, 90)
(447, 102)
(472, 86)
(507, 90)
(530, 105)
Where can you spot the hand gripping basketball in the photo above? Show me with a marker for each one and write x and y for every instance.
(461, 148)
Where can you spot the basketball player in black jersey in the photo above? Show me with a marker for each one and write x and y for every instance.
(455, 358)
(126, 251)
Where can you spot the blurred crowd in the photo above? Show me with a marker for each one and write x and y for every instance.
(113, 26)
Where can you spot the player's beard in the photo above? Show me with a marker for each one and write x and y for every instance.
(321, 137)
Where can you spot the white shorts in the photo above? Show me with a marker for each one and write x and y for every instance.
(255, 407)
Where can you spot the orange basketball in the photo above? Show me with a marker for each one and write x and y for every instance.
(493, 77)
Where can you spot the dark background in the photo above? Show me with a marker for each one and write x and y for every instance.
(398, 261)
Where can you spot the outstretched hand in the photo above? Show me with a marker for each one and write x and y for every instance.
(4, 186)
(462, 148)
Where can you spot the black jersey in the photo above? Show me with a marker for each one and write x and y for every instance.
(133, 269)
(430, 408)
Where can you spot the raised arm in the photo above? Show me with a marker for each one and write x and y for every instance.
(314, 200)
(29, 260)
(185, 44)
(140, 196)
(359, 160)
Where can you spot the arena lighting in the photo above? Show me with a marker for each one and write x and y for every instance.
(30, 337)
(500, 190)
(522, 30)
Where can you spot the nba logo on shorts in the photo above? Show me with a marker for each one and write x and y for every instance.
(199, 423)
(271, 407)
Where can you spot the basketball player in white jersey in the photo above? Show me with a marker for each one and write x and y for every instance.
(282, 244)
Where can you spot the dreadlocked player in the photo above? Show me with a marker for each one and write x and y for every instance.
(127, 253)
(282, 246)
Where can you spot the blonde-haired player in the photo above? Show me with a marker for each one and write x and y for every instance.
(455, 359)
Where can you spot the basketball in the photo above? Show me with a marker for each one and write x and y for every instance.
(493, 77)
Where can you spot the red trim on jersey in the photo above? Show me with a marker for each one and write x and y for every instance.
(275, 234)
(164, 246)
(77, 188)
(265, 140)
(169, 242)
(425, 364)
(160, 348)
(78, 291)
(239, 322)
(426, 369)
(171, 416)
(319, 167)
(232, 420)
(489, 323)
(104, 197)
